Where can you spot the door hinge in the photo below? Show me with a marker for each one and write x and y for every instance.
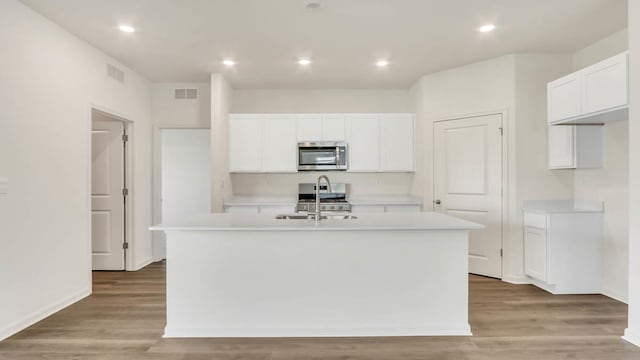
(125, 192)
(501, 130)
(500, 252)
(125, 137)
(125, 245)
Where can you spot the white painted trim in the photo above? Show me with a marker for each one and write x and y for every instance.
(142, 264)
(504, 112)
(516, 280)
(38, 315)
(632, 337)
(129, 223)
(615, 295)
(427, 330)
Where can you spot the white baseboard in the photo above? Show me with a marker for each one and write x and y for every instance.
(632, 337)
(615, 295)
(38, 315)
(429, 330)
(517, 280)
(142, 264)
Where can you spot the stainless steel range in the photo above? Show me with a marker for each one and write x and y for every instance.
(335, 201)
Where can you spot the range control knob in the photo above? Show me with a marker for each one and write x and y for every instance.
(340, 207)
(332, 207)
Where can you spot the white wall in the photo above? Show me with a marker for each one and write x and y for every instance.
(632, 333)
(50, 78)
(609, 184)
(168, 112)
(515, 85)
(221, 185)
(321, 101)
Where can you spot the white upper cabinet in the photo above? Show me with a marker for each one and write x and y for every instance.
(260, 143)
(397, 143)
(309, 127)
(363, 140)
(564, 99)
(605, 84)
(279, 150)
(245, 143)
(333, 127)
(593, 95)
(325, 127)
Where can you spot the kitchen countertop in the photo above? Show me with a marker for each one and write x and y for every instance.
(364, 222)
(562, 206)
(245, 200)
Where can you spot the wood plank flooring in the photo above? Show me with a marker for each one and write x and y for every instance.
(125, 317)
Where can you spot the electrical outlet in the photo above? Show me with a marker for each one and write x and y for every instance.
(4, 185)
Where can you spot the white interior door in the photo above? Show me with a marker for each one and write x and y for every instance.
(107, 199)
(185, 175)
(468, 184)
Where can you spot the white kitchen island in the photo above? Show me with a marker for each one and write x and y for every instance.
(251, 275)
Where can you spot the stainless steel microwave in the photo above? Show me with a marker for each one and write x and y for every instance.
(323, 155)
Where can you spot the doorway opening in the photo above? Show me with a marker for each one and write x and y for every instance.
(109, 192)
(184, 177)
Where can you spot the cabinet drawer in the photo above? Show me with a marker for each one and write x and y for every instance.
(535, 220)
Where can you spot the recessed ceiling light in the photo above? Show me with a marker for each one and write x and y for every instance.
(486, 28)
(127, 28)
(304, 62)
(313, 4)
(228, 63)
(382, 63)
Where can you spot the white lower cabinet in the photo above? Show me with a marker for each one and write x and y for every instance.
(563, 251)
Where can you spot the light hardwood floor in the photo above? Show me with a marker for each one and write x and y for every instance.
(124, 319)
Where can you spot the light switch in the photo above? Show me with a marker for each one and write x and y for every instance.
(4, 185)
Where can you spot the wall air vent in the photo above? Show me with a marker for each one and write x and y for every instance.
(115, 73)
(182, 94)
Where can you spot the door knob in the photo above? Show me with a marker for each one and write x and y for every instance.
(437, 202)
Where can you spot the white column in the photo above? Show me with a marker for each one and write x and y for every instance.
(220, 179)
(632, 333)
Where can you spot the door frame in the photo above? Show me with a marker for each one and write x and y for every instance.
(128, 183)
(506, 162)
(156, 179)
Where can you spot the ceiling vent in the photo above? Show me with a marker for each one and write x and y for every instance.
(115, 73)
(181, 94)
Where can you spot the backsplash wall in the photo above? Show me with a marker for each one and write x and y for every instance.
(287, 184)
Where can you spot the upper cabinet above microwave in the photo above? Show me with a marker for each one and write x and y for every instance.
(593, 95)
(267, 143)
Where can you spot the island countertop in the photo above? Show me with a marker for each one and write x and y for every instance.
(363, 222)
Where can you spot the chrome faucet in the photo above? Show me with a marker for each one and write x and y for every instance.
(318, 215)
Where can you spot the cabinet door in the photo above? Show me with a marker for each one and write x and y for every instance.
(309, 127)
(535, 253)
(562, 146)
(279, 150)
(605, 85)
(245, 143)
(564, 98)
(396, 143)
(363, 136)
(333, 127)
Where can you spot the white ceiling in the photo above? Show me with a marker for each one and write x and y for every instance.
(185, 40)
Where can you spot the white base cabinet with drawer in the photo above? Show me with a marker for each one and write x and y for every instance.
(563, 251)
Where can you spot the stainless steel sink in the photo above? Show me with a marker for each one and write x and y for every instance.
(312, 217)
